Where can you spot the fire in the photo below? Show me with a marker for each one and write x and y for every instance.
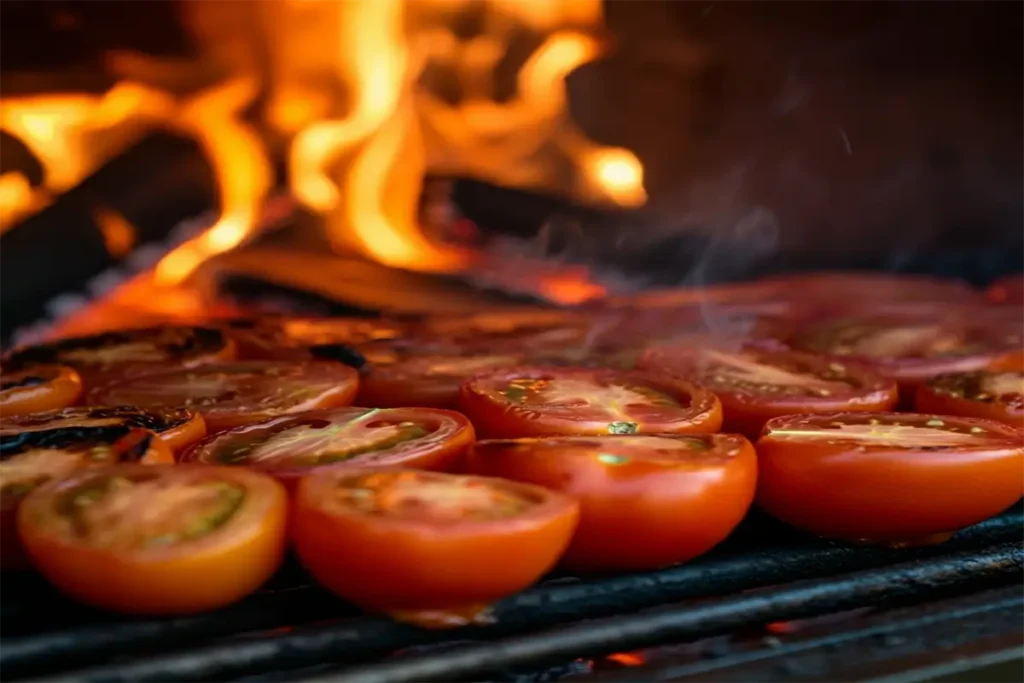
(363, 98)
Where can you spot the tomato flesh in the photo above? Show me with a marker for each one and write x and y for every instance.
(890, 478)
(553, 401)
(172, 540)
(756, 385)
(674, 497)
(290, 447)
(990, 394)
(229, 395)
(422, 544)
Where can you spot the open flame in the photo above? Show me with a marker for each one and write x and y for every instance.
(363, 98)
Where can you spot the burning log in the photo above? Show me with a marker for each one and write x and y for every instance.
(136, 198)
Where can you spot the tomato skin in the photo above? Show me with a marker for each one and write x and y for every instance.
(61, 388)
(653, 505)
(888, 495)
(701, 410)
(253, 400)
(396, 565)
(445, 450)
(931, 399)
(165, 581)
(12, 551)
(745, 412)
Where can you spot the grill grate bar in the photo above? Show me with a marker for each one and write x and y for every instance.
(364, 638)
(929, 577)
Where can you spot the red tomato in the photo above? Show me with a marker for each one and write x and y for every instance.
(156, 540)
(912, 348)
(991, 394)
(647, 489)
(291, 447)
(427, 547)
(898, 479)
(395, 378)
(38, 388)
(290, 338)
(1007, 290)
(841, 287)
(177, 427)
(555, 401)
(755, 385)
(234, 394)
(112, 355)
(29, 458)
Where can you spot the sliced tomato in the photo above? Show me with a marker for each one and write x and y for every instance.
(399, 378)
(38, 388)
(427, 547)
(156, 540)
(291, 447)
(30, 458)
(177, 427)
(234, 394)
(991, 394)
(290, 338)
(640, 488)
(891, 478)
(535, 401)
(756, 385)
(111, 355)
(912, 348)
(1007, 290)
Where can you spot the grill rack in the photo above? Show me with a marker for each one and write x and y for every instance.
(293, 626)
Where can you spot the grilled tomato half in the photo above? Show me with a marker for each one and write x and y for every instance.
(291, 447)
(38, 388)
(177, 427)
(535, 401)
(156, 540)
(891, 478)
(230, 395)
(991, 394)
(431, 548)
(755, 386)
(645, 501)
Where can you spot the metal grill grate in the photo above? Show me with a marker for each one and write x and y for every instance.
(292, 626)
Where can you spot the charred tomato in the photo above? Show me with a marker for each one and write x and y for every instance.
(30, 458)
(427, 547)
(991, 394)
(536, 401)
(673, 497)
(38, 388)
(156, 540)
(291, 338)
(891, 478)
(230, 395)
(111, 355)
(756, 385)
(177, 427)
(291, 447)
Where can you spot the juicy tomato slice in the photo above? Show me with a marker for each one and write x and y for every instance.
(30, 458)
(111, 355)
(535, 401)
(291, 447)
(637, 488)
(890, 478)
(38, 388)
(290, 338)
(177, 427)
(756, 385)
(230, 395)
(156, 540)
(1007, 290)
(991, 394)
(399, 378)
(424, 546)
(910, 349)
